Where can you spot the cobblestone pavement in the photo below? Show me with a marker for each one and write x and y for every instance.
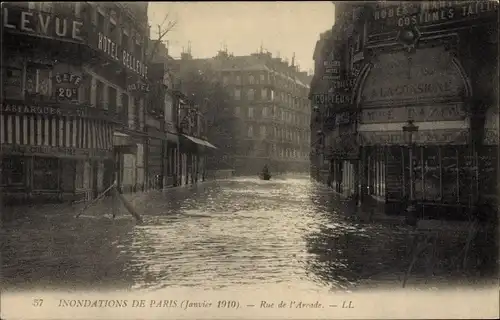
(240, 232)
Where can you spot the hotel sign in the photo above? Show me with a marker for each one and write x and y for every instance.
(42, 24)
(121, 55)
(389, 17)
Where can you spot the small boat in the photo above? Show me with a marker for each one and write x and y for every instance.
(265, 176)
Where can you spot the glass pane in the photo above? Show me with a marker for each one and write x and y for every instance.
(45, 173)
(12, 170)
(432, 177)
(450, 171)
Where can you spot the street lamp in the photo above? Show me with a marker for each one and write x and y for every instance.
(408, 130)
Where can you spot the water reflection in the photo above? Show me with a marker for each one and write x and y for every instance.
(239, 233)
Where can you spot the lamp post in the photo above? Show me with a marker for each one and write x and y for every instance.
(408, 130)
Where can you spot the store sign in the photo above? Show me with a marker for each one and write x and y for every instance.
(58, 151)
(417, 113)
(66, 85)
(138, 87)
(336, 98)
(41, 110)
(430, 73)
(122, 56)
(438, 136)
(42, 24)
(423, 13)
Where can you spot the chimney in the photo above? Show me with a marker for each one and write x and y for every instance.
(186, 56)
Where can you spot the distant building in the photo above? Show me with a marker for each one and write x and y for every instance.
(270, 107)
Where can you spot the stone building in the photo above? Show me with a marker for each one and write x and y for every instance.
(269, 107)
(426, 66)
(71, 117)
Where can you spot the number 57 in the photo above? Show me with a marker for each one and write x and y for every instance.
(37, 302)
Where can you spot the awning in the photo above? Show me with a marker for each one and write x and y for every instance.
(166, 136)
(200, 142)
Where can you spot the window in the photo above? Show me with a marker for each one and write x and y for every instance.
(237, 94)
(262, 78)
(99, 95)
(38, 81)
(45, 173)
(238, 79)
(112, 99)
(124, 102)
(12, 170)
(251, 94)
(272, 95)
(125, 41)
(12, 82)
(137, 102)
(79, 174)
(263, 93)
(264, 112)
(225, 80)
(86, 89)
(251, 79)
(250, 112)
(263, 130)
(250, 131)
(237, 111)
(114, 32)
(101, 22)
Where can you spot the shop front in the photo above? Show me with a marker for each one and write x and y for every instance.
(193, 152)
(433, 164)
(51, 156)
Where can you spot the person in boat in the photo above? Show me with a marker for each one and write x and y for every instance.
(265, 170)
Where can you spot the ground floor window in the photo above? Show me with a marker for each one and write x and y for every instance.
(13, 171)
(80, 174)
(376, 164)
(45, 173)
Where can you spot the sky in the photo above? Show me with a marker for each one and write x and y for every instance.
(284, 27)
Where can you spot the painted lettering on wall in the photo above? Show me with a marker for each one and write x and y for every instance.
(66, 86)
(420, 113)
(42, 110)
(42, 24)
(411, 89)
(332, 98)
(64, 151)
(405, 14)
(122, 56)
(439, 136)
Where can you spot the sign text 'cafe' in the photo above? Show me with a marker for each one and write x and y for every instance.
(113, 50)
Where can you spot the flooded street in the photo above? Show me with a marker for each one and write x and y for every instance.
(229, 234)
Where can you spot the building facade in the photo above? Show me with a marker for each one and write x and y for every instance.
(270, 111)
(431, 66)
(69, 123)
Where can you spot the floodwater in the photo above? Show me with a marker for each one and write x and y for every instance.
(238, 233)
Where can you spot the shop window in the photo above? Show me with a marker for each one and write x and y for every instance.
(450, 174)
(12, 171)
(38, 81)
(12, 82)
(431, 187)
(45, 173)
(80, 174)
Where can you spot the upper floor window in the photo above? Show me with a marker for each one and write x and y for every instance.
(237, 111)
(38, 80)
(125, 40)
(263, 130)
(251, 94)
(251, 79)
(264, 112)
(225, 80)
(250, 131)
(99, 94)
(250, 112)
(101, 22)
(237, 94)
(12, 81)
(263, 93)
(262, 78)
(238, 79)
